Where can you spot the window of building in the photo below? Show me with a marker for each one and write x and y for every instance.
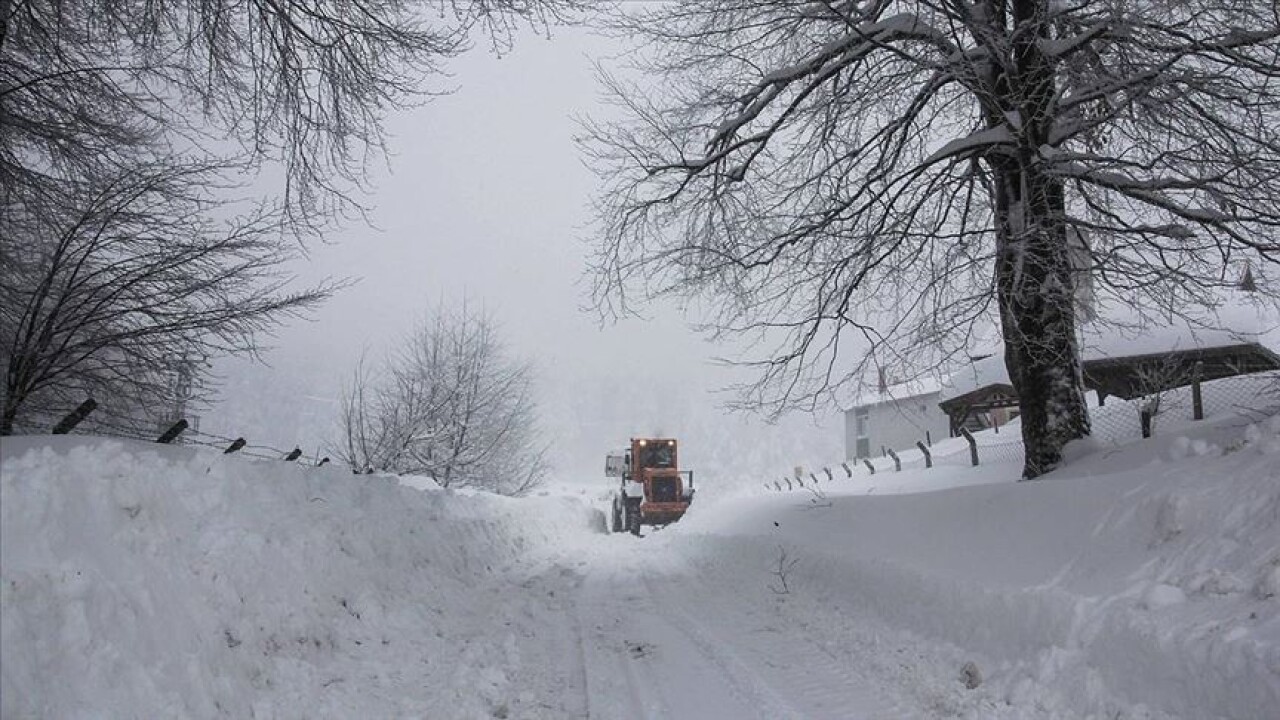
(861, 432)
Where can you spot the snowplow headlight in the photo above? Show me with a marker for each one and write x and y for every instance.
(643, 443)
(671, 443)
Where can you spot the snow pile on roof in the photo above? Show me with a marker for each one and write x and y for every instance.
(989, 370)
(143, 581)
(895, 392)
(1235, 322)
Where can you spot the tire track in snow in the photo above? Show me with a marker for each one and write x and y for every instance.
(788, 666)
(643, 662)
(614, 687)
(719, 652)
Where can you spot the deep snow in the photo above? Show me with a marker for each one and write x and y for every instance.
(1141, 581)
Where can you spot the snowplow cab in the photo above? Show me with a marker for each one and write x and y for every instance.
(653, 490)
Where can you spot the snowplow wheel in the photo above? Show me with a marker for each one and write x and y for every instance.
(633, 517)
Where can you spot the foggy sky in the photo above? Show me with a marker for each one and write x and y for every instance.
(485, 197)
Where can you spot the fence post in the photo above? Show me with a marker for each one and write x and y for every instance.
(323, 461)
(870, 467)
(847, 471)
(814, 478)
(73, 418)
(1144, 418)
(293, 455)
(234, 446)
(1197, 403)
(973, 445)
(928, 438)
(828, 472)
(800, 480)
(897, 464)
(788, 483)
(928, 458)
(777, 485)
(173, 432)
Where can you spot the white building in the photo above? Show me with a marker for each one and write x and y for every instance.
(894, 418)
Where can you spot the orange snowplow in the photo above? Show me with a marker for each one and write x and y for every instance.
(653, 490)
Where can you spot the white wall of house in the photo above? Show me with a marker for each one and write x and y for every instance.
(894, 423)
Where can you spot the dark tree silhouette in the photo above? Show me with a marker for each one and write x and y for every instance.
(888, 177)
(301, 83)
(127, 282)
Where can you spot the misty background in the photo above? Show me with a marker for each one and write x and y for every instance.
(484, 199)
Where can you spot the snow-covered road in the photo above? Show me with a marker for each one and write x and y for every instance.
(1143, 584)
(664, 644)
(625, 631)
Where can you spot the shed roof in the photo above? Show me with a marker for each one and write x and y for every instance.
(897, 393)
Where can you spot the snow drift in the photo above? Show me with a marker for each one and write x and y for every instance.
(1140, 582)
(142, 581)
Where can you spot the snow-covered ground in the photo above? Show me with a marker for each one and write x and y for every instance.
(1141, 581)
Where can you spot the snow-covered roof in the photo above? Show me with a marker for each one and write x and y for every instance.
(1235, 322)
(896, 392)
(981, 373)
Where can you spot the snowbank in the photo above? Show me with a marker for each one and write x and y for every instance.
(140, 581)
(1138, 582)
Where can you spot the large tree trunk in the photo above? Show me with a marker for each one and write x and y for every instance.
(8, 417)
(10, 400)
(1034, 285)
(1034, 282)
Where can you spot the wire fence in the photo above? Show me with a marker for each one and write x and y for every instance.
(109, 422)
(1253, 397)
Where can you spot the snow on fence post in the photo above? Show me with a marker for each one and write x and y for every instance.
(897, 464)
(74, 418)
(847, 471)
(928, 458)
(828, 472)
(294, 454)
(234, 446)
(973, 445)
(870, 467)
(1197, 402)
(173, 432)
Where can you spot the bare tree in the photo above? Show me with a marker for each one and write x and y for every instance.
(121, 125)
(450, 405)
(301, 83)
(125, 283)
(893, 176)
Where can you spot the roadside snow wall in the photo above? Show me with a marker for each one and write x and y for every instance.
(140, 581)
(1140, 581)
